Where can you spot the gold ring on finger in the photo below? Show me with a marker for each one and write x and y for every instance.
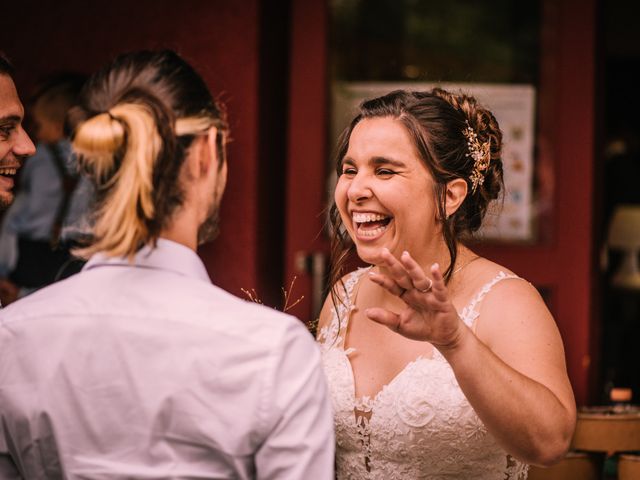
(426, 290)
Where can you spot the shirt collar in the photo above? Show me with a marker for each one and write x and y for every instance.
(167, 255)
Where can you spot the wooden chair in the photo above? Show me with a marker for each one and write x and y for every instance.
(597, 432)
(575, 466)
(629, 467)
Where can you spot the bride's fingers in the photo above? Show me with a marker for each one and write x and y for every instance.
(396, 270)
(387, 283)
(419, 279)
(384, 317)
(439, 288)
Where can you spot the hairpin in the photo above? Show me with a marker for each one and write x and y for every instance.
(481, 154)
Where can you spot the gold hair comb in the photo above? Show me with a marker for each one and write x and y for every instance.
(481, 154)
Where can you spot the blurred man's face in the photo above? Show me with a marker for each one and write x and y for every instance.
(15, 145)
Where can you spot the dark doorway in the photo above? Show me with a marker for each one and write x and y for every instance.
(619, 161)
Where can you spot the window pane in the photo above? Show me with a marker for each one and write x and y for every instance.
(451, 41)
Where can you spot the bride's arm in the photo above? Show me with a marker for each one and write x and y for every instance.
(512, 372)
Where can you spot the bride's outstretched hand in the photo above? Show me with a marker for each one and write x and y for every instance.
(428, 315)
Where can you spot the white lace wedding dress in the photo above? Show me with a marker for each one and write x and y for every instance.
(419, 426)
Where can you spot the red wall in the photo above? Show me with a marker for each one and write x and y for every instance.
(220, 38)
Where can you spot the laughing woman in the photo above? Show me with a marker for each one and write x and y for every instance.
(441, 363)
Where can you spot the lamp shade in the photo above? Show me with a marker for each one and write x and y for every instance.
(624, 229)
(624, 234)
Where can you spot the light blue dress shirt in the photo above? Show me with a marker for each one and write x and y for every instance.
(146, 370)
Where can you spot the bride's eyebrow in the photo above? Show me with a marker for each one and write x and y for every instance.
(347, 161)
(376, 161)
(387, 161)
(10, 119)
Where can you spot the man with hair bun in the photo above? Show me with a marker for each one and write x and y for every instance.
(15, 144)
(139, 367)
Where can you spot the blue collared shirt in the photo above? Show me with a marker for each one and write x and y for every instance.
(147, 370)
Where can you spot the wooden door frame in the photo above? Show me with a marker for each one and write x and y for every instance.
(307, 146)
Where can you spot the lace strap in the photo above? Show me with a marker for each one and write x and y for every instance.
(470, 313)
(332, 334)
(352, 281)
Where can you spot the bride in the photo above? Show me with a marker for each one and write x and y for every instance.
(441, 363)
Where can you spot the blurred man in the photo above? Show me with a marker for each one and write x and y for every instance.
(15, 144)
(32, 253)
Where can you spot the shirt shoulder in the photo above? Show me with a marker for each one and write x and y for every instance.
(153, 298)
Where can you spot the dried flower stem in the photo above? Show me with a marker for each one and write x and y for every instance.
(287, 296)
(253, 296)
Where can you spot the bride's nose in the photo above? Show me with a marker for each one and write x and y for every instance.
(359, 188)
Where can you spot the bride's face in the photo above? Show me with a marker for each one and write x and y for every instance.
(385, 194)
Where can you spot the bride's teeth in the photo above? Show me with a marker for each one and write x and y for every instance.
(372, 233)
(367, 217)
(7, 171)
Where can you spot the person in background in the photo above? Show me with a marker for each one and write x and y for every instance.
(441, 363)
(139, 367)
(15, 144)
(32, 251)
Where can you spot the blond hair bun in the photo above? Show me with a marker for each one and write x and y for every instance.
(131, 129)
(97, 140)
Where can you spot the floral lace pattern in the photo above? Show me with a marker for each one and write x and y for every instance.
(420, 425)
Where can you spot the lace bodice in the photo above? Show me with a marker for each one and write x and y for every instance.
(420, 425)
